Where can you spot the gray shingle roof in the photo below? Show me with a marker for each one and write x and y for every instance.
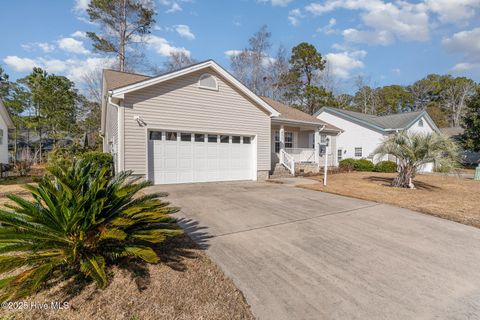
(390, 122)
(290, 113)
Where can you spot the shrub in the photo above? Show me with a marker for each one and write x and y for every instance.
(98, 159)
(363, 165)
(347, 164)
(385, 166)
(77, 224)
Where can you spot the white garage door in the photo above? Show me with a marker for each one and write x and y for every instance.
(184, 157)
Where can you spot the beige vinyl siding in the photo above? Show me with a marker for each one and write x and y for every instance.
(179, 104)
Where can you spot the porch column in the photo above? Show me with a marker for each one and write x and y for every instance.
(316, 140)
(282, 137)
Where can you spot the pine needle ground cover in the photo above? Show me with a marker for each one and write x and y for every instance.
(449, 197)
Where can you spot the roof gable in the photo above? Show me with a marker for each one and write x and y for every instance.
(398, 121)
(121, 91)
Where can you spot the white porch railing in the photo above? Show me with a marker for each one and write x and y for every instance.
(288, 161)
(302, 154)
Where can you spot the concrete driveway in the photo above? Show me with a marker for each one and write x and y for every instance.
(301, 254)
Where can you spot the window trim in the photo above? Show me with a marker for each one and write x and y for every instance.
(355, 152)
(205, 75)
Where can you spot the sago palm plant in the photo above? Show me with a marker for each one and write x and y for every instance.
(413, 150)
(78, 222)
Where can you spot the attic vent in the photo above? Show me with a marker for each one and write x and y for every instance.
(207, 81)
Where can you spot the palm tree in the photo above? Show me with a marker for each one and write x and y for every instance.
(414, 150)
(78, 222)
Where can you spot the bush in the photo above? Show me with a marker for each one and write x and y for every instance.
(78, 224)
(363, 165)
(385, 166)
(347, 164)
(98, 159)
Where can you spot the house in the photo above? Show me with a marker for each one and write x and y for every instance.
(362, 133)
(5, 124)
(200, 124)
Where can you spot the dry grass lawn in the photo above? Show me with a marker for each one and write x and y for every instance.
(185, 285)
(448, 197)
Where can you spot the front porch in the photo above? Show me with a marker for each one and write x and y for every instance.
(301, 147)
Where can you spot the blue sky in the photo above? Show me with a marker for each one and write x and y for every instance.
(387, 42)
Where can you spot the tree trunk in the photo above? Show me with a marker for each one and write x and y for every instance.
(404, 179)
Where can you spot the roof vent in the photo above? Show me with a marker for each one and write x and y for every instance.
(207, 81)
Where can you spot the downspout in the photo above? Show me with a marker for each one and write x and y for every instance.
(120, 133)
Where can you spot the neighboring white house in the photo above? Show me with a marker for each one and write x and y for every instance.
(200, 124)
(362, 133)
(5, 124)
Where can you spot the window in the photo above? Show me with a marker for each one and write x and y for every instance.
(212, 138)
(235, 139)
(207, 81)
(171, 136)
(339, 154)
(154, 135)
(277, 142)
(185, 137)
(224, 139)
(1, 136)
(247, 140)
(288, 140)
(323, 139)
(420, 123)
(199, 137)
(358, 152)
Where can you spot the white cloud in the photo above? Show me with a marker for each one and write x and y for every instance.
(280, 3)
(294, 17)
(44, 46)
(74, 69)
(72, 45)
(20, 64)
(465, 66)
(79, 34)
(81, 5)
(458, 11)
(162, 46)
(173, 6)
(328, 29)
(380, 37)
(341, 64)
(230, 53)
(184, 31)
(467, 44)
(387, 20)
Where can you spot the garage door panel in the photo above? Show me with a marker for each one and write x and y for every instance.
(184, 162)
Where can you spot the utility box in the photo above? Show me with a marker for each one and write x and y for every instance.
(477, 173)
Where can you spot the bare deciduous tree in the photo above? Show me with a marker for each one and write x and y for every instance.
(454, 96)
(178, 60)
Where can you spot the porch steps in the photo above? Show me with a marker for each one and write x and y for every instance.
(280, 172)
